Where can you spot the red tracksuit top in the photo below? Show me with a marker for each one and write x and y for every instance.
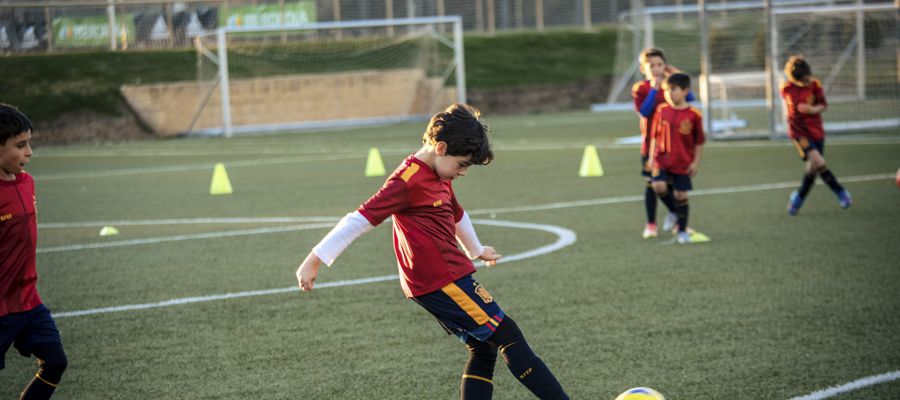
(18, 243)
(425, 213)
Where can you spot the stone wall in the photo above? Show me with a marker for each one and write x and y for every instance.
(169, 108)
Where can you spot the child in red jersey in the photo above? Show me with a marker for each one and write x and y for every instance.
(804, 102)
(648, 95)
(676, 146)
(428, 224)
(24, 320)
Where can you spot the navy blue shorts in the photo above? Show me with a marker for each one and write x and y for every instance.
(25, 329)
(464, 308)
(682, 183)
(805, 145)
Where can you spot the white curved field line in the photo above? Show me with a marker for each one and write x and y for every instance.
(849, 387)
(565, 237)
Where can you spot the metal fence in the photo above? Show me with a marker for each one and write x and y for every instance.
(61, 25)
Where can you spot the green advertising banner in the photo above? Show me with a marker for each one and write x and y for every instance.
(300, 12)
(90, 31)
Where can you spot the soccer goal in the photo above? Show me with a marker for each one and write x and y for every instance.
(852, 48)
(326, 75)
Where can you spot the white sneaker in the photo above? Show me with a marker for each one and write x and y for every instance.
(670, 222)
(650, 231)
(684, 237)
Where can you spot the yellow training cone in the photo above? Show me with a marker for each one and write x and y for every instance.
(220, 183)
(590, 163)
(109, 231)
(374, 165)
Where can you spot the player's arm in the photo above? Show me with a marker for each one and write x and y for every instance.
(695, 166)
(465, 234)
(699, 139)
(352, 226)
(649, 103)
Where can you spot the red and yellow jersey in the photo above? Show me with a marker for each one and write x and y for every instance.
(676, 135)
(18, 243)
(425, 213)
(639, 92)
(800, 124)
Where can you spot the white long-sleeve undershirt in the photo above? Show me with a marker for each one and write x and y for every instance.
(352, 226)
(465, 234)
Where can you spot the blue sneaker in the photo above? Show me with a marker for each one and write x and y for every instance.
(683, 237)
(794, 203)
(845, 199)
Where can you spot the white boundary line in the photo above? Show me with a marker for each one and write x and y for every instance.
(565, 237)
(513, 146)
(849, 387)
(326, 222)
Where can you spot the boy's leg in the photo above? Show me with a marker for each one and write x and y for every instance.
(808, 153)
(842, 194)
(523, 363)
(663, 189)
(650, 203)
(682, 210)
(477, 380)
(52, 361)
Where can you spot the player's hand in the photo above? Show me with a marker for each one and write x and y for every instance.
(308, 271)
(805, 108)
(693, 168)
(490, 256)
(671, 69)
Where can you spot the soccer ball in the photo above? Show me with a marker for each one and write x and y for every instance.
(641, 393)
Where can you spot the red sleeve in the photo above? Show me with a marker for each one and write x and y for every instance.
(457, 208)
(820, 94)
(700, 138)
(638, 95)
(392, 198)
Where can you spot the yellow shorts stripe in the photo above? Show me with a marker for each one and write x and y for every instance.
(466, 303)
(799, 149)
(466, 376)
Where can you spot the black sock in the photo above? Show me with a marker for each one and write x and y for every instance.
(650, 204)
(524, 364)
(808, 181)
(53, 362)
(477, 378)
(682, 209)
(831, 181)
(669, 200)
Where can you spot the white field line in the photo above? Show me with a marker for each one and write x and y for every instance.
(499, 147)
(849, 387)
(178, 238)
(565, 237)
(485, 211)
(700, 192)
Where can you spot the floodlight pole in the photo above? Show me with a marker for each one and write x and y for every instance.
(771, 60)
(223, 83)
(460, 60)
(704, 67)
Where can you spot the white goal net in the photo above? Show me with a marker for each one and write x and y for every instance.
(325, 75)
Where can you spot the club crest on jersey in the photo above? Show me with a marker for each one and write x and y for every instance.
(6, 217)
(437, 203)
(483, 293)
(685, 127)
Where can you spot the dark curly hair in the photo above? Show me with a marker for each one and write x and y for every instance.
(461, 128)
(12, 123)
(796, 68)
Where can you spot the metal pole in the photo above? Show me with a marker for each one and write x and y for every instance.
(460, 61)
(50, 32)
(223, 84)
(860, 53)
(539, 14)
(111, 15)
(389, 14)
(648, 31)
(704, 67)
(491, 17)
(586, 10)
(520, 20)
(771, 61)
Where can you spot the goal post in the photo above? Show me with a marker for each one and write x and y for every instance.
(851, 47)
(328, 74)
